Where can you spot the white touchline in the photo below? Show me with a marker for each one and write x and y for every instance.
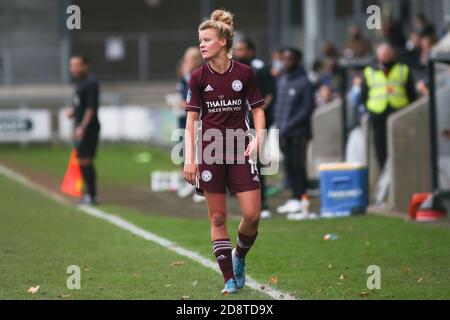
(147, 235)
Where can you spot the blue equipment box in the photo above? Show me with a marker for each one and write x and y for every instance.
(343, 189)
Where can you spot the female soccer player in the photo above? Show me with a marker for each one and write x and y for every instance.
(221, 93)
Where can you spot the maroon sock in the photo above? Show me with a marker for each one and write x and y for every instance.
(222, 251)
(244, 243)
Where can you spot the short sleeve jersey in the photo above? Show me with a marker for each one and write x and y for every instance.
(223, 99)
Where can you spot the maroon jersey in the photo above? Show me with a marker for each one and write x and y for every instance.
(223, 99)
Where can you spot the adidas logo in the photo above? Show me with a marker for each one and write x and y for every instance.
(221, 257)
(208, 88)
(256, 178)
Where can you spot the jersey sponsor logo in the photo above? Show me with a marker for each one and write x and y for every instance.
(189, 96)
(208, 88)
(224, 103)
(237, 85)
(206, 175)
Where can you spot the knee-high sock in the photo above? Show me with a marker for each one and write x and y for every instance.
(222, 251)
(244, 243)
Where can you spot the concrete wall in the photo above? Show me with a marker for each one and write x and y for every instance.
(326, 145)
(409, 150)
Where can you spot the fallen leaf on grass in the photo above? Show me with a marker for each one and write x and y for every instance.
(406, 269)
(86, 268)
(184, 297)
(364, 294)
(63, 295)
(420, 280)
(342, 277)
(274, 280)
(168, 285)
(330, 266)
(319, 290)
(177, 263)
(195, 283)
(33, 290)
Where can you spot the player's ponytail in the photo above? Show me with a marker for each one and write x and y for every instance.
(222, 22)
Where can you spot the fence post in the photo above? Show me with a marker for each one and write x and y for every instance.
(143, 57)
(7, 67)
(65, 57)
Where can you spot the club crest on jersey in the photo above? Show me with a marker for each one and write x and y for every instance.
(237, 85)
(206, 175)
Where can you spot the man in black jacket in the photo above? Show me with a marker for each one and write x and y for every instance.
(293, 110)
(87, 125)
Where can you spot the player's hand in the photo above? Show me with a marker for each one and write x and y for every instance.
(79, 133)
(190, 173)
(251, 148)
(70, 113)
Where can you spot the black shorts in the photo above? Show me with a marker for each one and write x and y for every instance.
(87, 147)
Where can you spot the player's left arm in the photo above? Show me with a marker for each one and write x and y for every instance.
(256, 103)
(259, 120)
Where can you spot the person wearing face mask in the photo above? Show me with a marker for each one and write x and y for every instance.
(388, 86)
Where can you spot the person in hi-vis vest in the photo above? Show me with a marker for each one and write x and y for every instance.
(388, 86)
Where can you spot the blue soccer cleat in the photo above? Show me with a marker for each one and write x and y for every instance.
(239, 270)
(230, 287)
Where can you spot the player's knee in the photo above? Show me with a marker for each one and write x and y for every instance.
(218, 218)
(252, 218)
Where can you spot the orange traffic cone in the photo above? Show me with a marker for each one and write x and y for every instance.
(72, 183)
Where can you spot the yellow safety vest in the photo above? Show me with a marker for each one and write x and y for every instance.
(390, 90)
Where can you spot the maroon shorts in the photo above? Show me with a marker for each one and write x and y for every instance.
(216, 178)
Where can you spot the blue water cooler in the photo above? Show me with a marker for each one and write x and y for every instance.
(343, 189)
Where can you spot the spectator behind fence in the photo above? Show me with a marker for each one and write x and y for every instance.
(293, 110)
(393, 34)
(422, 26)
(192, 59)
(357, 46)
(277, 63)
(388, 86)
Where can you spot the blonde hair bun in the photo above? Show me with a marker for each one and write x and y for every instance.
(222, 16)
